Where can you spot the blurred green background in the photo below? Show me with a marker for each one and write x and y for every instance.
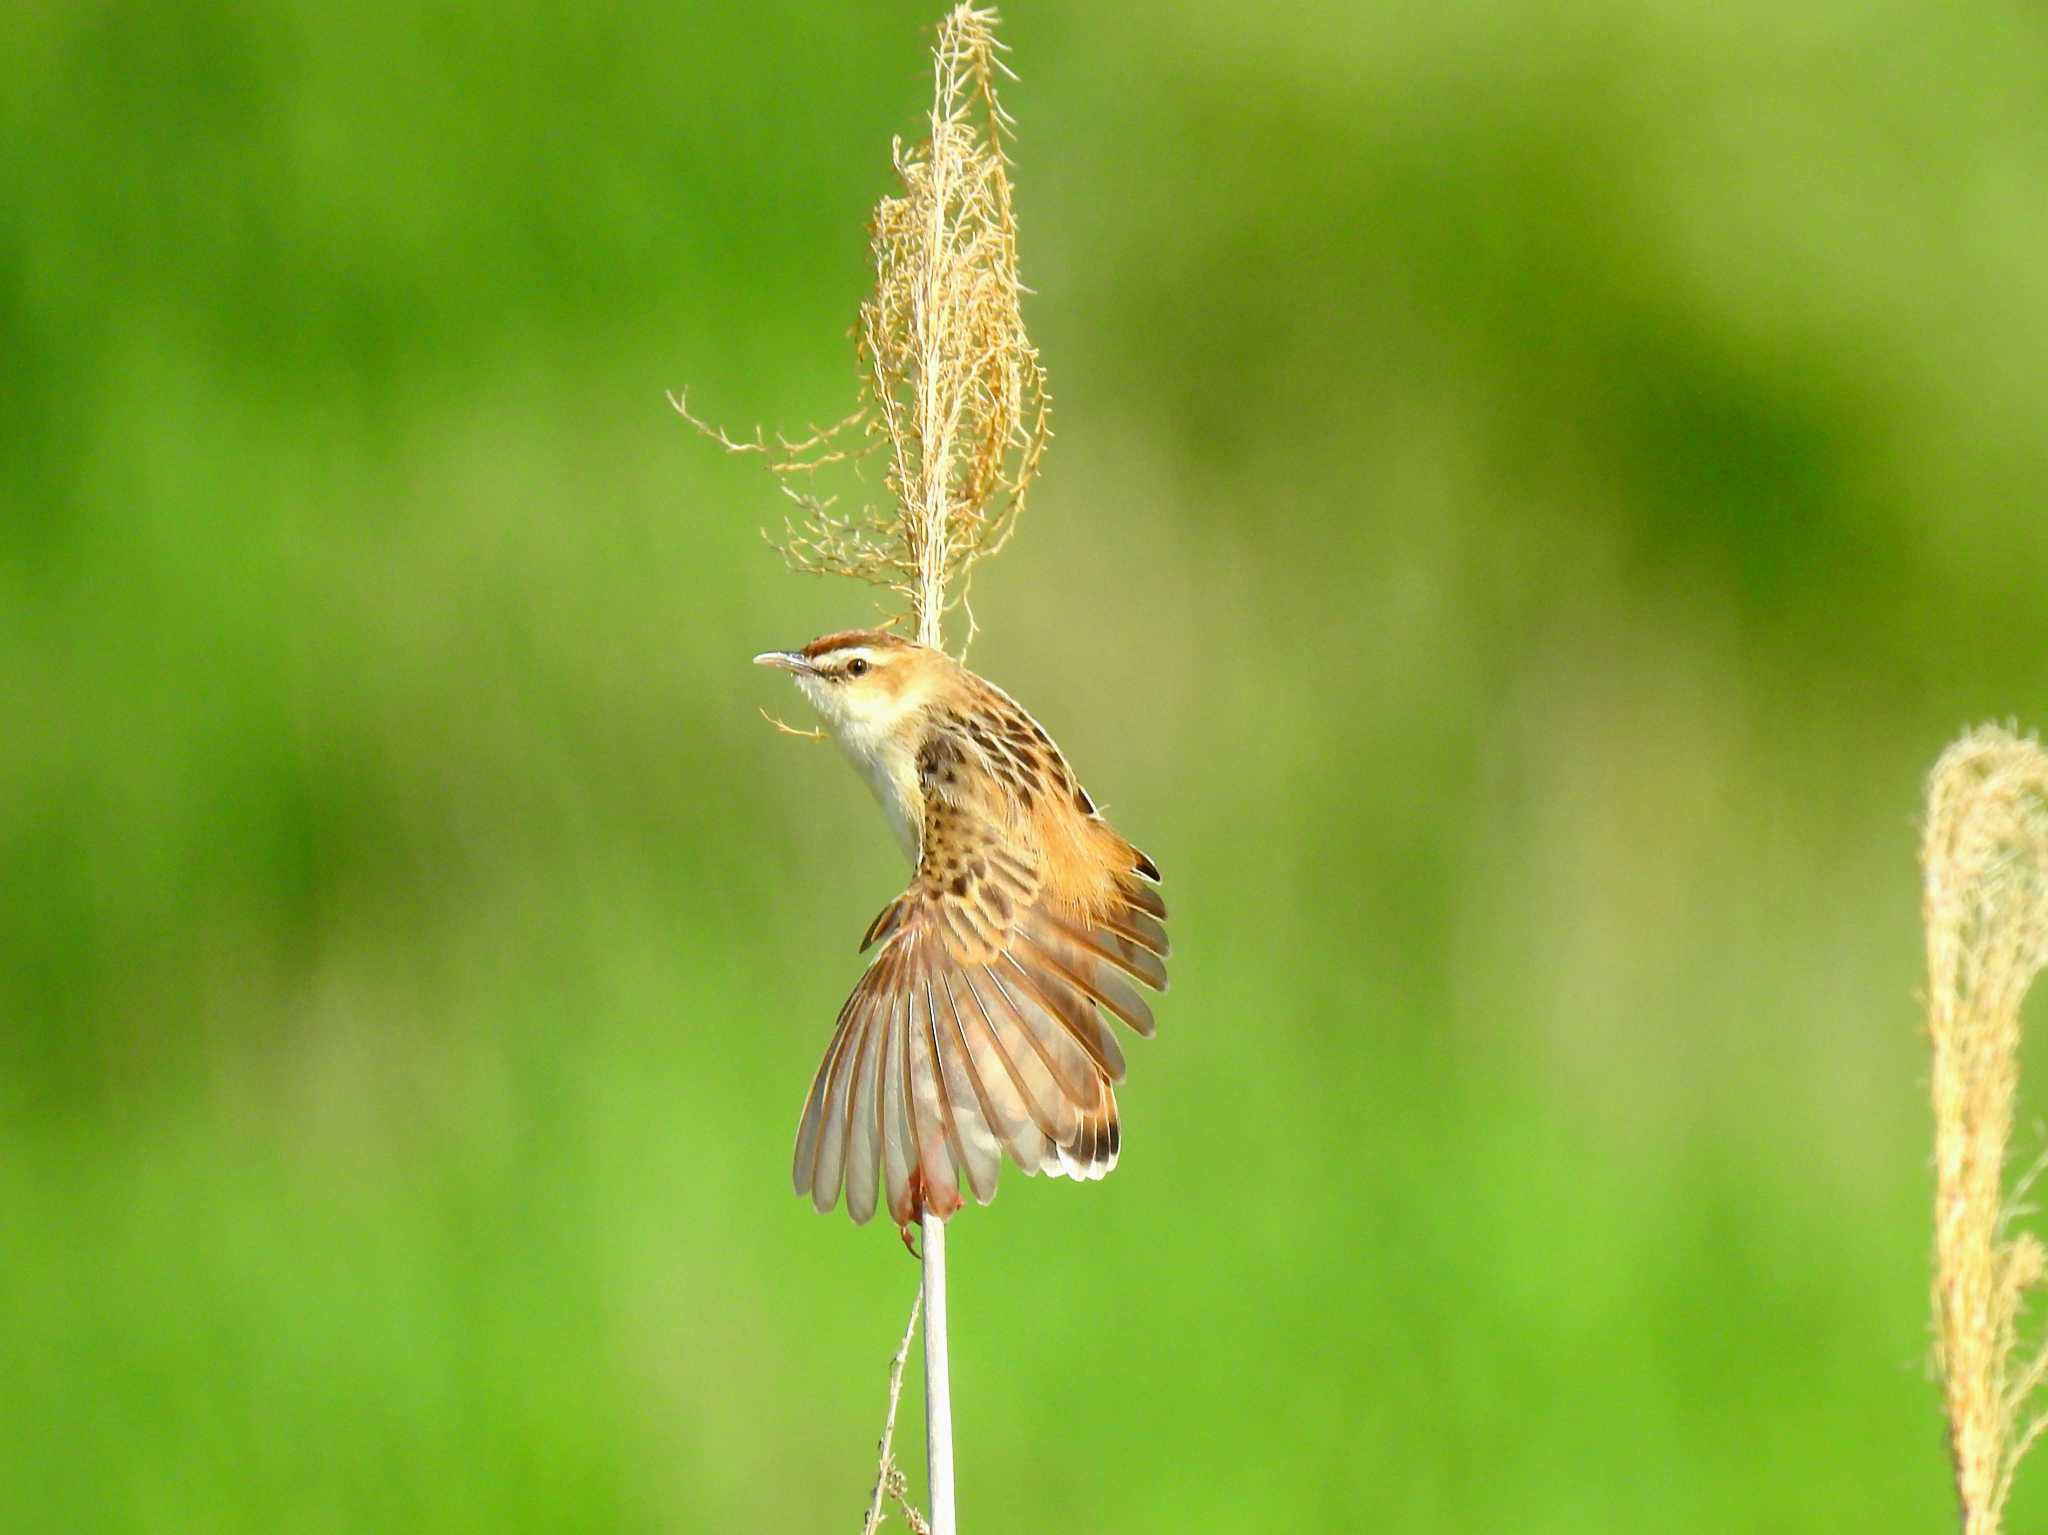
(1537, 485)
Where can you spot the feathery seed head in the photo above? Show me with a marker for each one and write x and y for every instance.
(1985, 893)
(953, 399)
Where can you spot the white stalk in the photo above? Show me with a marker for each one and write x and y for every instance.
(930, 602)
(938, 1388)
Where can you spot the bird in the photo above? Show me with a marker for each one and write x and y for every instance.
(981, 1024)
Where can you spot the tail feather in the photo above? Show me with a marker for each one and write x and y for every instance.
(1094, 1151)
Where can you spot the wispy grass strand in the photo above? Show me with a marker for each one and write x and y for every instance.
(1985, 869)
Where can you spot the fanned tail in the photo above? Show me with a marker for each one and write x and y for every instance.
(949, 1054)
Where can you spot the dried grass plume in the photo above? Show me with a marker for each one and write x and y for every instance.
(953, 399)
(1985, 871)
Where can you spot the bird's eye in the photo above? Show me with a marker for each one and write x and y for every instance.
(856, 667)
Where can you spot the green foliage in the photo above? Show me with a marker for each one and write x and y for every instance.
(1535, 489)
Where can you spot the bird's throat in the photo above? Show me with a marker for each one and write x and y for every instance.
(888, 762)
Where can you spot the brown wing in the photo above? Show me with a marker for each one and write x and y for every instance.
(978, 1026)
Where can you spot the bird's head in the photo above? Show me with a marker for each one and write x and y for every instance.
(864, 683)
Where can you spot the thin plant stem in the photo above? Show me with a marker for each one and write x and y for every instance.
(930, 604)
(885, 1466)
(938, 1387)
(954, 405)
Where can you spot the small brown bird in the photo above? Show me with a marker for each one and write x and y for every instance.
(976, 1026)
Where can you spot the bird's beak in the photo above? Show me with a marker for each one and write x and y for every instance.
(787, 660)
